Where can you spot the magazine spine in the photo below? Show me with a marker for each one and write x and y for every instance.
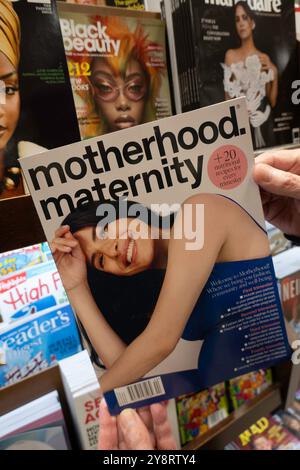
(169, 19)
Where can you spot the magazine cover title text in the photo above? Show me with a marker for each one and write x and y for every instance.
(163, 148)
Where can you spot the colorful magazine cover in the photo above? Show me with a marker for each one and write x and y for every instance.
(277, 240)
(132, 4)
(296, 404)
(117, 66)
(14, 260)
(159, 237)
(199, 412)
(297, 15)
(287, 270)
(29, 291)
(241, 48)
(290, 420)
(37, 106)
(290, 292)
(266, 434)
(248, 386)
(35, 344)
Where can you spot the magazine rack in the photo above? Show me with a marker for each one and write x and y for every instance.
(33, 387)
(22, 228)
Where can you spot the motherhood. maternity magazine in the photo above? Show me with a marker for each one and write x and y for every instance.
(204, 157)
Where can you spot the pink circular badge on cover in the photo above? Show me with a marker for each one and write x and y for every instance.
(227, 167)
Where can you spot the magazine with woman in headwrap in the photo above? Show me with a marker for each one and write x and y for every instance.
(36, 104)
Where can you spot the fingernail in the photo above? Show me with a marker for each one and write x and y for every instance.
(128, 418)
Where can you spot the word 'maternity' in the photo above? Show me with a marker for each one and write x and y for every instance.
(167, 150)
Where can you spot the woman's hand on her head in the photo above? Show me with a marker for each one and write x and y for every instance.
(145, 429)
(69, 258)
(278, 175)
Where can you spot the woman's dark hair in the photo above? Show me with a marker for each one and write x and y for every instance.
(127, 303)
(249, 13)
(97, 213)
(247, 9)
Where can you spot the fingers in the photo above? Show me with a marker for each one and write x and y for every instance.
(146, 417)
(108, 434)
(276, 181)
(264, 60)
(77, 252)
(128, 431)
(65, 243)
(70, 236)
(61, 231)
(286, 160)
(121, 437)
(162, 428)
(135, 433)
(265, 196)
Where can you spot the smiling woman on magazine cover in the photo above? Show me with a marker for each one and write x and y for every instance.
(250, 72)
(10, 174)
(125, 88)
(11, 147)
(88, 264)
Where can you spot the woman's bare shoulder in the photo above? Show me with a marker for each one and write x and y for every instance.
(211, 200)
(258, 52)
(231, 56)
(219, 209)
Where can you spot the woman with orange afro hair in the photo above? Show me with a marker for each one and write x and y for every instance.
(125, 87)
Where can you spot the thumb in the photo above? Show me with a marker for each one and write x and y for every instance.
(272, 180)
(135, 433)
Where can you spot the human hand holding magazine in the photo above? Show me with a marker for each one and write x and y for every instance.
(159, 237)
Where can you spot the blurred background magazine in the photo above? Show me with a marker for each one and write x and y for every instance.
(38, 425)
(40, 439)
(199, 412)
(268, 433)
(132, 4)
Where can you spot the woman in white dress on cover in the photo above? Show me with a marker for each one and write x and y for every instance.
(250, 72)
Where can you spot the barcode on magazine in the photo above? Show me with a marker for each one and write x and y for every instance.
(217, 417)
(139, 391)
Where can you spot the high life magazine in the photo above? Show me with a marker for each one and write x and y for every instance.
(159, 237)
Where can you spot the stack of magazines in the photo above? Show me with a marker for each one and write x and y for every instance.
(38, 425)
(37, 324)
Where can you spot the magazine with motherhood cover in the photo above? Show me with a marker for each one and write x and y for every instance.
(117, 67)
(240, 48)
(36, 104)
(159, 238)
